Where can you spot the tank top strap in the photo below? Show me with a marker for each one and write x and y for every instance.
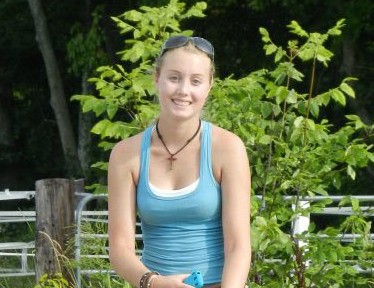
(144, 155)
(206, 168)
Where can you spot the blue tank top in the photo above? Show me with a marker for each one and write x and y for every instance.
(182, 234)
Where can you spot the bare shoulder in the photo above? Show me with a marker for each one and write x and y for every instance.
(228, 153)
(226, 141)
(126, 153)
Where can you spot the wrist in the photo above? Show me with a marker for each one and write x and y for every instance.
(152, 281)
(146, 279)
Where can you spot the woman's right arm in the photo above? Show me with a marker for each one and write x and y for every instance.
(122, 181)
(123, 161)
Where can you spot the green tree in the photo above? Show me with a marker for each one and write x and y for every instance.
(129, 93)
(295, 152)
(85, 52)
(25, 112)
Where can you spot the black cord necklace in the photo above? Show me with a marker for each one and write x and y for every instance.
(172, 157)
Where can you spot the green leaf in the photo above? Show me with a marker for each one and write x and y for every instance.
(356, 120)
(281, 94)
(346, 200)
(106, 146)
(279, 55)
(133, 15)
(324, 98)
(276, 110)
(264, 244)
(310, 124)
(111, 110)
(351, 172)
(307, 53)
(295, 28)
(332, 255)
(336, 30)
(270, 49)
(355, 204)
(371, 157)
(100, 165)
(123, 26)
(266, 109)
(331, 231)
(324, 55)
(286, 185)
(347, 89)
(265, 35)
(265, 139)
(291, 97)
(314, 108)
(296, 135)
(260, 221)
(298, 121)
(197, 10)
(100, 127)
(338, 96)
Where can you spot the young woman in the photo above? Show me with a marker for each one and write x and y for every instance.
(188, 180)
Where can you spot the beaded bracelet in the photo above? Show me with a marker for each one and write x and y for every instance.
(145, 279)
(149, 284)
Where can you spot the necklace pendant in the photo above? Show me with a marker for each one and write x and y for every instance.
(172, 159)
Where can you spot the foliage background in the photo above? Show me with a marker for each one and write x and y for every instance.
(232, 26)
(240, 55)
(294, 151)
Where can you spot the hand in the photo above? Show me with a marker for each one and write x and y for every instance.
(171, 281)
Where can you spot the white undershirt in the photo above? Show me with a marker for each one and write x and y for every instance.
(173, 193)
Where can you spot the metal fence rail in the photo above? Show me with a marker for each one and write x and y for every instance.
(25, 250)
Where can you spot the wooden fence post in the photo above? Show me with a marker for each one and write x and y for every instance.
(54, 205)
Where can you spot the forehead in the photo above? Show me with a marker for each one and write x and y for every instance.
(185, 59)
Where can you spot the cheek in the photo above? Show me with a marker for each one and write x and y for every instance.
(160, 87)
(205, 93)
(163, 91)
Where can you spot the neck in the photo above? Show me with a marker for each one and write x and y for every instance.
(175, 133)
(172, 154)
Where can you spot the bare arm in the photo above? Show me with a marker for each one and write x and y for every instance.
(235, 183)
(122, 212)
(122, 181)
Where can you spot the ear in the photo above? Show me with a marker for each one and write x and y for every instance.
(208, 92)
(211, 83)
(156, 77)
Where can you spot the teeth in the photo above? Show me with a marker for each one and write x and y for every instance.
(181, 102)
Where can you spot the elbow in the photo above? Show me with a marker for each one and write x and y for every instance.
(240, 249)
(113, 259)
(117, 254)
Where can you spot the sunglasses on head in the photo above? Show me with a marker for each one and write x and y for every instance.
(180, 41)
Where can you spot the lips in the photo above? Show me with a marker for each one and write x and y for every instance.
(180, 102)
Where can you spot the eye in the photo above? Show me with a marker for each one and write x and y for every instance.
(196, 81)
(174, 78)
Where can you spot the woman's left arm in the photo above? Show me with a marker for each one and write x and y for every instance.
(236, 189)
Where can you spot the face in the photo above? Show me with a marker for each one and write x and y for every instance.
(183, 82)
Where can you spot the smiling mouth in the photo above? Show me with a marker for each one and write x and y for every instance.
(181, 102)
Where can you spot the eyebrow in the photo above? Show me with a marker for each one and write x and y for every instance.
(179, 72)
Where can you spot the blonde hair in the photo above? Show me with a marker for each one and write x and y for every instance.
(189, 47)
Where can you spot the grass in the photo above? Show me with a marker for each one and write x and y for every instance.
(17, 282)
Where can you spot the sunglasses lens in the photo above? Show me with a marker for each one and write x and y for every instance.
(175, 42)
(204, 45)
(179, 41)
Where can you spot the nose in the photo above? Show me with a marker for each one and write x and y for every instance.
(184, 87)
